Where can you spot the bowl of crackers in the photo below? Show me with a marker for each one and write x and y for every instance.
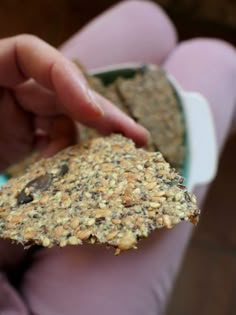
(180, 122)
(105, 190)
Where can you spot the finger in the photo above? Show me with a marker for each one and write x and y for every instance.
(16, 137)
(25, 56)
(60, 132)
(41, 142)
(55, 146)
(43, 125)
(115, 121)
(34, 97)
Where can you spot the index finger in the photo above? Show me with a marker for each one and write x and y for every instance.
(26, 56)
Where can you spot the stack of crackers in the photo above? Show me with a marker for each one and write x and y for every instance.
(150, 100)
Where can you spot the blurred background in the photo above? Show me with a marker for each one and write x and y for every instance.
(55, 21)
(207, 282)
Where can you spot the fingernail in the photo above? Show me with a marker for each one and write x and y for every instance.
(146, 133)
(144, 130)
(141, 128)
(92, 99)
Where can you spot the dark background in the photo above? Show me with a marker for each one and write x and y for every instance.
(207, 282)
(55, 21)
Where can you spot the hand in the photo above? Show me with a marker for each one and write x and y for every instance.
(41, 94)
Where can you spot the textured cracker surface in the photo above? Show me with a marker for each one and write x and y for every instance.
(152, 102)
(105, 191)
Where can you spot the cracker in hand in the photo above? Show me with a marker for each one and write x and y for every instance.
(105, 191)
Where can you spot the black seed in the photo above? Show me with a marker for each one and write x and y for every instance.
(40, 183)
(54, 192)
(100, 220)
(144, 198)
(187, 196)
(44, 229)
(22, 198)
(194, 217)
(128, 205)
(63, 170)
(171, 183)
(147, 164)
(150, 229)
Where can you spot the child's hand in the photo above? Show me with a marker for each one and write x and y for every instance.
(41, 92)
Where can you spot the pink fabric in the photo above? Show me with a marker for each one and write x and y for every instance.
(10, 301)
(90, 280)
(208, 66)
(133, 31)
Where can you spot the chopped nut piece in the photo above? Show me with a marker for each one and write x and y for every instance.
(127, 241)
(46, 242)
(116, 221)
(83, 235)
(74, 241)
(75, 223)
(102, 213)
(111, 235)
(59, 231)
(167, 221)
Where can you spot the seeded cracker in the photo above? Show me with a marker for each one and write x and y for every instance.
(152, 102)
(105, 191)
(111, 94)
